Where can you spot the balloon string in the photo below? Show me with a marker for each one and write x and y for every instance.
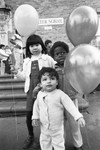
(14, 104)
(87, 138)
(86, 133)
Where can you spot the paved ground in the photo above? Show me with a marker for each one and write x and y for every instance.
(13, 129)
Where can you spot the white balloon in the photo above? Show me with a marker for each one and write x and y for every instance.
(26, 20)
(82, 68)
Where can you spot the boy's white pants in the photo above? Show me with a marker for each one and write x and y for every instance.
(74, 128)
(52, 138)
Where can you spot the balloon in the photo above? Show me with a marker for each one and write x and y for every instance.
(82, 68)
(26, 20)
(82, 25)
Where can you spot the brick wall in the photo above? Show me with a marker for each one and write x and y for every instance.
(54, 9)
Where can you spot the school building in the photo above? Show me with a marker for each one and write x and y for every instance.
(53, 15)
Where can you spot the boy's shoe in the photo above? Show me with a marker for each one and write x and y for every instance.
(28, 142)
(78, 148)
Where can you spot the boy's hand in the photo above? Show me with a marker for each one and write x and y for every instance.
(81, 122)
(36, 90)
(35, 122)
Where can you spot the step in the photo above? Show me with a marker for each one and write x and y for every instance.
(6, 76)
(11, 82)
(10, 108)
(13, 96)
(8, 88)
(11, 91)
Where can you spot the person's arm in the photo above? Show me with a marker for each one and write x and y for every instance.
(70, 106)
(18, 73)
(35, 122)
(36, 90)
(35, 114)
(81, 122)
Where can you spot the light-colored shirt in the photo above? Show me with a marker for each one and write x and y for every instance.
(43, 61)
(49, 108)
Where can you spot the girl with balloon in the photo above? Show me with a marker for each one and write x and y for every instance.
(34, 61)
(26, 20)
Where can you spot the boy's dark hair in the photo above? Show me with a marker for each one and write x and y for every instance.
(47, 42)
(52, 72)
(34, 39)
(59, 44)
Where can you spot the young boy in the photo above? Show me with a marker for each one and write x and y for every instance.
(59, 52)
(48, 111)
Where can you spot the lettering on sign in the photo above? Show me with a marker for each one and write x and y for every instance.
(51, 21)
(48, 27)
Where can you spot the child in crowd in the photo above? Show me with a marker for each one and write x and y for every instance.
(59, 52)
(34, 61)
(48, 111)
(8, 61)
(5, 62)
(16, 41)
(48, 45)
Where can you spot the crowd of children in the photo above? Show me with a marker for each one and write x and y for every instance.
(45, 73)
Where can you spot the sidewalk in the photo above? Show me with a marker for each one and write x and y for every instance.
(13, 130)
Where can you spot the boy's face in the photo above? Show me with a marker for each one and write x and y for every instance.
(48, 83)
(60, 55)
(35, 49)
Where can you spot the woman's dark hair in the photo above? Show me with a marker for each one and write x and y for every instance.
(52, 72)
(34, 39)
(59, 44)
